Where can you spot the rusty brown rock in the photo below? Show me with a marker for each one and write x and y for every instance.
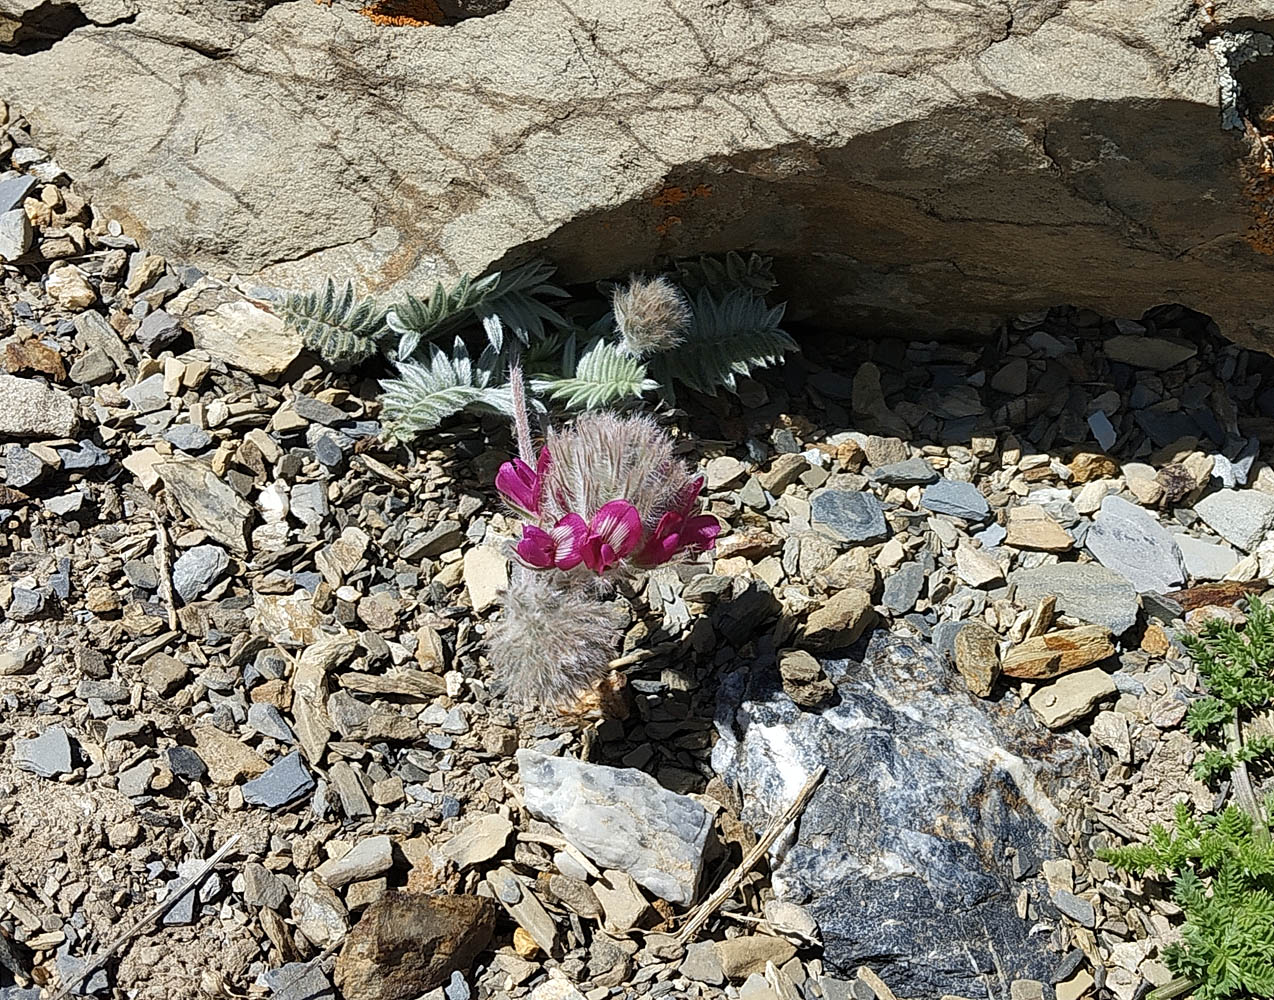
(977, 657)
(1087, 466)
(1058, 653)
(1030, 527)
(406, 945)
(840, 621)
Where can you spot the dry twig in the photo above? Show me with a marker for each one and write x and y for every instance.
(154, 913)
(165, 572)
(750, 860)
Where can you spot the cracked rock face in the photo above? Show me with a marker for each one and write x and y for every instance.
(909, 167)
(935, 813)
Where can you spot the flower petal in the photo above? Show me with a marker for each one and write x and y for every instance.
(618, 525)
(690, 496)
(663, 542)
(700, 532)
(519, 484)
(537, 547)
(569, 536)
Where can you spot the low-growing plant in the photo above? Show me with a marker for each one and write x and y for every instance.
(1222, 866)
(603, 498)
(651, 335)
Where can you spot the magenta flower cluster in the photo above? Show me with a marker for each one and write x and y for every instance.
(613, 533)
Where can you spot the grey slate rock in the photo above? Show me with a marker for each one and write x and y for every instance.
(268, 721)
(158, 331)
(931, 909)
(47, 755)
(1078, 909)
(28, 605)
(851, 517)
(188, 438)
(902, 588)
(1087, 591)
(85, 455)
(283, 782)
(1126, 539)
(963, 500)
(317, 411)
(185, 763)
(197, 569)
(621, 818)
(142, 573)
(69, 967)
(457, 988)
(148, 395)
(1103, 430)
(15, 234)
(912, 472)
(1241, 517)
(15, 190)
(31, 409)
(67, 503)
(22, 469)
(299, 981)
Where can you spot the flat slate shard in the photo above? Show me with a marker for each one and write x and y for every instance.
(850, 517)
(901, 855)
(622, 818)
(217, 508)
(1125, 538)
(1087, 591)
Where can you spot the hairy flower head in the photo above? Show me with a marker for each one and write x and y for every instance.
(651, 315)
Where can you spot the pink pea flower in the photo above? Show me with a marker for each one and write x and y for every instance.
(613, 533)
(676, 532)
(562, 546)
(519, 484)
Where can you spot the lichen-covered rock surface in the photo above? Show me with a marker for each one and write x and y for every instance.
(910, 166)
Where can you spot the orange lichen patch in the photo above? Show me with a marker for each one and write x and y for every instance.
(404, 13)
(1257, 173)
(673, 195)
(665, 227)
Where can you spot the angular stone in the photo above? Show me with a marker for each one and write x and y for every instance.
(31, 409)
(1058, 653)
(1126, 539)
(1086, 591)
(47, 755)
(1242, 517)
(1156, 353)
(1030, 527)
(227, 758)
(888, 881)
(840, 620)
(977, 567)
(803, 679)
(210, 501)
(197, 569)
(486, 574)
(241, 333)
(850, 517)
(480, 841)
(912, 472)
(319, 913)
(164, 673)
(622, 819)
(963, 500)
(748, 954)
(783, 472)
(407, 944)
(368, 858)
(15, 234)
(1071, 697)
(283, 782)
(977, 657)
(261, 887)
(1205, 560)
(902, 588)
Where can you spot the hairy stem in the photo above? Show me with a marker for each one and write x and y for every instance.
(521, 422)
(1242, 781)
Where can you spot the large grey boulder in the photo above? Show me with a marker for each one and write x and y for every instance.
(936, 812)
(909, 165)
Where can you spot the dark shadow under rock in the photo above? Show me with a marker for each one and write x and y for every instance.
(934, 801)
